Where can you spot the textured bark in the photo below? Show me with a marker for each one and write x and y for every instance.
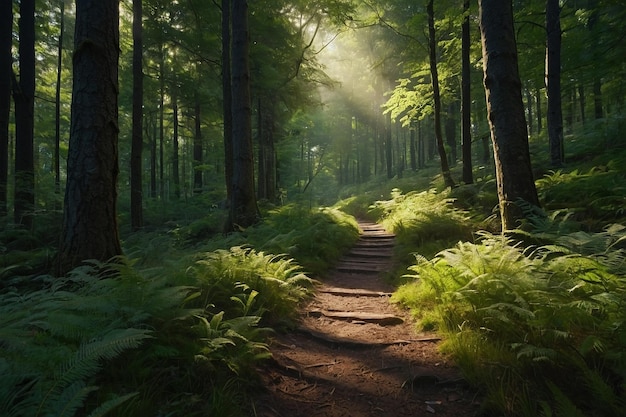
(162, 122)
(227, 106)
(266, 188)
(175, 143)
(243, 206)
(466, 99)
(24, 97)
(6, 34)
(57, 104)
(90, 222)
(506, 111)
(553, 82)
(432, 43)
(197, 148)
(136, 170)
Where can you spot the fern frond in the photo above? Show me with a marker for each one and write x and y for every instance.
(111, 404)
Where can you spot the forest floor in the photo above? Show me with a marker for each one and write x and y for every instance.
(355, 354)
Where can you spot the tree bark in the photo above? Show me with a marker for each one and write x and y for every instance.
(227, 100)
(90, 220)
(6, 59)
(24, 98)
(243, 208)
(266, 188)
(136, 171)
(197, 149)
(162, 122)
(432, 43)
(57, 104)
(553, 83)
(466, 99)
(175, 144)
(506, 111)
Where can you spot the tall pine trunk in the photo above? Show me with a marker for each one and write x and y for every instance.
(432, 43)
(227, 100)
(553, 82)
(197, 148)
(136, 162)
(90, 219)
(466, 99)
(243, 207)
(6, 59)
(57, 104)
(505, 110)
(24, 97)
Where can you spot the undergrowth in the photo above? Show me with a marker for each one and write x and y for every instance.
(540, 329)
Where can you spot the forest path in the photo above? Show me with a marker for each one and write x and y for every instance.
(355, 354)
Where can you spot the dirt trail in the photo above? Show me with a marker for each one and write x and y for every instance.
(355, 354)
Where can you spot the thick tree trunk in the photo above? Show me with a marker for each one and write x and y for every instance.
(553, 82)
(243, 207)
(466, 99)
(267, 154)
(24, 97)
(136, 171)
(506, 111)
(90, 219)
(432, 43)
(227, 100)
(57, 104)
(6, 59)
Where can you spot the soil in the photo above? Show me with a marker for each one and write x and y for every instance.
(355, 354)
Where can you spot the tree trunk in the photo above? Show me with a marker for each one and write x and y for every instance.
(136, 171)
(553, 82)
(388, 146)
(413, 148)
(243, 207)
(432, 43)
(539, 111)
(24, 97)
(227, 100)
(57, 104)
(153, 156)
(162, 122)
(597, 100)
(506, 111)
(466, 99)
(267, 154)
(175, 144)
(450, 132)
(90, 219)
(197, 149)
(6, 60)
(581, 100)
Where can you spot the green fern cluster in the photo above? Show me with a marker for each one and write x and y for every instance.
(53, 343)
(597, 194)
(314, 238)
(424, 219)
(543, 330)
(242, 281)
